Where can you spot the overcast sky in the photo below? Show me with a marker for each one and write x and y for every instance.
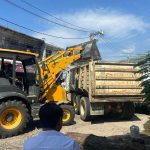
(126, 23)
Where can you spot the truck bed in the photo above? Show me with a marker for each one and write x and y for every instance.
(107, 79)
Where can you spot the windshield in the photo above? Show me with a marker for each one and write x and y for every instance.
(18, 70)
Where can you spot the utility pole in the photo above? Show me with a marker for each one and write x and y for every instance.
(94, 34)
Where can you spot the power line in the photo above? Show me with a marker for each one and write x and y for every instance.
(38, 31)
(62, 20)
(120, 37)
(110, 46)
(30, 12)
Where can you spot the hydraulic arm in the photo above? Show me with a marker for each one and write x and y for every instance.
(50, 70)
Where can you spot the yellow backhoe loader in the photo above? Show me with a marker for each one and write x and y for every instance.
(26, 84)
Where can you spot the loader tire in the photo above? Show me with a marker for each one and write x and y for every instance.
(84, 109)
(14, 117)
(128, 110)
(69, 114)
(76, 104)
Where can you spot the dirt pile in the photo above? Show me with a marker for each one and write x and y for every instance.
(92, 142)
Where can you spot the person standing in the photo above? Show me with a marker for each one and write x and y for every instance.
(50, 138)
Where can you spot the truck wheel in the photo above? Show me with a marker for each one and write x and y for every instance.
(14, 117)
(69, 114)
(76, 104)
(128, 110)
(84, 109)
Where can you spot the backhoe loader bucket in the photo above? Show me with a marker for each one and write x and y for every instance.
(90, 51)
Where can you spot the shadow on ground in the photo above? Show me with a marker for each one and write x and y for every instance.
(142, 108)
(94, 120)
(36, 124)
(102, 119)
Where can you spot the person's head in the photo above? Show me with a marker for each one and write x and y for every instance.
(51, 116)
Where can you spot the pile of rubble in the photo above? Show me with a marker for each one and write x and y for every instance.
(92, 142)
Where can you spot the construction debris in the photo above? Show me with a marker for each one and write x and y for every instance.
(125, 142)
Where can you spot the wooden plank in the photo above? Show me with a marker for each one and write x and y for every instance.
(119, 99)
(115, 63)
(112, 82)
(117, 79)
(80, 78)
(113, 70)
(118, 87)
(90, 81)
(84, 78)
(116, 67)
(116, 70)
(118, 92)
(117, 75)
(93, 78)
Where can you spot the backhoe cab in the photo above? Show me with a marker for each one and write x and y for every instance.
(25, 84)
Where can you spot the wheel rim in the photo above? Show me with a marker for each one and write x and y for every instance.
(10, 118)
(82, 112)
(66, 115)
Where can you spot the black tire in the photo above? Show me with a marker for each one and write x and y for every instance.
(128, 110)
(8, 111)
(84, 109)
(69, 114)
(76, 104)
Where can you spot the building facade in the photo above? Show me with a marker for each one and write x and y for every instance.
(11, 39)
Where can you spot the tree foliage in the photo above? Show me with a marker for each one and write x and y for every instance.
(144, 64)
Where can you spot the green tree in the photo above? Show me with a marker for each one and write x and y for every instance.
(144, 64)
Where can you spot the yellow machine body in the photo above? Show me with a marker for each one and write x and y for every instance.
(47, 85)
(57, 93)
(50, 70)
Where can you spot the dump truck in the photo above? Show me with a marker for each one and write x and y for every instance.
(26, 84)
(100, 88)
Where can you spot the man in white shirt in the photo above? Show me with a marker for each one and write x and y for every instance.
(50, 138)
